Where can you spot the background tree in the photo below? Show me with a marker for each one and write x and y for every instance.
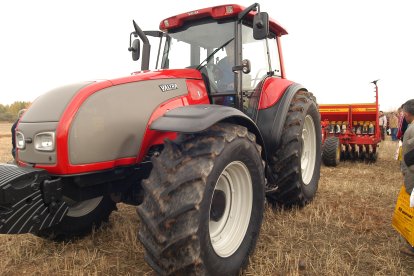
(8, 113)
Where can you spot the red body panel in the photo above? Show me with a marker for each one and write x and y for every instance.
(197, 94)
(62, 131)
(217, 12)
(272, 91)
(161, 74)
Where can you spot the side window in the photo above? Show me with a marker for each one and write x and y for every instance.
(179, 61)
(274, 57)
(255, 51)
(155, 44)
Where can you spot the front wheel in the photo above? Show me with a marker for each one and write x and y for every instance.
(204, 203)
(80, 219)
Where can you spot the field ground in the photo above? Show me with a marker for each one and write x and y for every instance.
(346, 230)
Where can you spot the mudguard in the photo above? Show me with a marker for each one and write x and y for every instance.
(197, 118)
(271, 120)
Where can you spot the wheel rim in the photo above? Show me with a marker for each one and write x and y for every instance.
(229, 219)
(308, 150)
(79, 209)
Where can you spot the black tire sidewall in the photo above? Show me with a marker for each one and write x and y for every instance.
(331, 146)
(238, 150)
(76, 227)
(95, 217)
(310, 189)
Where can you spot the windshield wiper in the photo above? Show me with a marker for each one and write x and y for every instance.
(213, 53)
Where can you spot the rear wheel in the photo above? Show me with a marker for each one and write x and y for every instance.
(331, 153)
(80, 219)
(296, 164)
(204, 203)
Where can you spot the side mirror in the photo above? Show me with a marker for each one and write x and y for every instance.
(260, 25)
(135, 48)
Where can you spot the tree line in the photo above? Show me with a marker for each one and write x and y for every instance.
(8, 112)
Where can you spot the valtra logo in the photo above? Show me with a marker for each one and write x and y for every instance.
(168, 87)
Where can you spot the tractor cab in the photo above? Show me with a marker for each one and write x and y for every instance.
(234, 49)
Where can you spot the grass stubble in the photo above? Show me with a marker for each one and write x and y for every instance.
(346, 230)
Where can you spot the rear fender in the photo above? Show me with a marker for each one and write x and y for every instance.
(272, 91)
(271, 120)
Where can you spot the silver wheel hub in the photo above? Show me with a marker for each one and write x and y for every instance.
(230, 209)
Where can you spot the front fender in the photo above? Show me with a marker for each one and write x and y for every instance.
(197, 118)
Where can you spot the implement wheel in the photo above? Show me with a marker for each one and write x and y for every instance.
(331, 153)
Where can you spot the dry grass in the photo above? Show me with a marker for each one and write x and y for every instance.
(345, 231)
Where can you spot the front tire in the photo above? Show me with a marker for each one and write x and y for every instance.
(204, 203)
(296, 163)
(80, 219)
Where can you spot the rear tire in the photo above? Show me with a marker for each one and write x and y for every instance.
(204, 203)
(296, 164)
(331, 153)
(81, 218)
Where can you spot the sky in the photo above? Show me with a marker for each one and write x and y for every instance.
(334, 48)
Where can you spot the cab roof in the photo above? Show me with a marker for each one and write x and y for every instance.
(217, 12)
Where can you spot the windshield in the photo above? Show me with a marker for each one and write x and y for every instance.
(188, 46)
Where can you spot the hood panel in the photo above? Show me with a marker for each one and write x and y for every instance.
(50, 106)
(111, 123)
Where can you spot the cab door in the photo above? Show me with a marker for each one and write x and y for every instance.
(264, 61)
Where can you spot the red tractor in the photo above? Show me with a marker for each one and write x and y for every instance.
(197, 155)
(350, 131)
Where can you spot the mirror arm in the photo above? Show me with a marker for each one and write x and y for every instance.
(237, 68)
(245, 67)
(130, 48)
(247, 10)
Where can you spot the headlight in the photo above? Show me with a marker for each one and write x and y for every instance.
(45, 141)
(20, 143)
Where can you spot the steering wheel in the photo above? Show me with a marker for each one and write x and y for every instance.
(213, 73)
(217, 71)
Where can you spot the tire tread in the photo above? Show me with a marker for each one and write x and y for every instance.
(285, 162)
